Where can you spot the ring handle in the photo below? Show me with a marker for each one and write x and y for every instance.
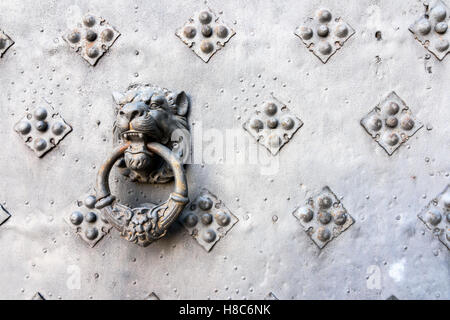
(145, 224)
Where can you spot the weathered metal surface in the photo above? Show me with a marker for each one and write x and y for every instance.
(387, 251)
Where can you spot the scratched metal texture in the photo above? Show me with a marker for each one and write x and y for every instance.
(387, 251)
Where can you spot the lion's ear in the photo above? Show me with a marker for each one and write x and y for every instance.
(182, 103)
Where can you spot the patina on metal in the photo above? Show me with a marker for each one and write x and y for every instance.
(148, 120)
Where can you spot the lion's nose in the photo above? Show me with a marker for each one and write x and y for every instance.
(131, 111)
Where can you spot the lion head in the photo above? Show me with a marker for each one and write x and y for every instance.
(147, 113)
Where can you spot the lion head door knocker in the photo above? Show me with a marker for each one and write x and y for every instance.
(151, 131)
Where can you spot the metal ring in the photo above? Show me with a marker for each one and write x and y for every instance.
(145, 224)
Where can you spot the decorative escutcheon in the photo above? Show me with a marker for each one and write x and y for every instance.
(153, 139)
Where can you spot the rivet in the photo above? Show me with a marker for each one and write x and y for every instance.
(204, 17)
(323, 234)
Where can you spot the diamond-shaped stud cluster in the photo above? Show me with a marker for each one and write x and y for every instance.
(391, 123)
(86, 221)
(323, 217)
(42, 129)
(207, 219)
(4, 215)
(436, 216)
(5, 43)
(205, 33)
(273, 125)
(323, 35)
(91, 38)
(431, 30)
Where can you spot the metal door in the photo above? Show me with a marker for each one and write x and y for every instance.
(319, 159)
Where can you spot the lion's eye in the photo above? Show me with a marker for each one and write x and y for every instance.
(154, 105)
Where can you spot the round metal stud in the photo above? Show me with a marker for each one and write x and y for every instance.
(92, 52)
(209, 235)
(287, 123)
(91, 217)
(206, 46)
(305, 33)
(324, 16)
(407, 123)
(221, 31)
(40, 113)
(446, 199)
(424, 26)
(204, 17)
(325, 47)
(207, 31)
(222, 218)
(206, 218)
(256, 124)
(323, 30)
(340, 218)
(107, 35)
(270, 109)
(89, 202)
(58, 128)
(323, 234)
(305, 214)
(375, 123)
(391, 122)
(189, 32)
(40, 144)
(272, 123)
(91, 35)
(341, 30)
(442, 45)
(392, 108)
(391, 138)
(205, 203)
(41, 126)
(91, 233)
(74, 37)
(324, 217)
(89, 21)
(441, 27)
(434, 217)
(448, 217)
(325, 202)
(24, 127)
(191, 220)
(76, 218)
(439, 13)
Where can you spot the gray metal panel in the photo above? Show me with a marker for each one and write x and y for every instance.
(387, 251)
